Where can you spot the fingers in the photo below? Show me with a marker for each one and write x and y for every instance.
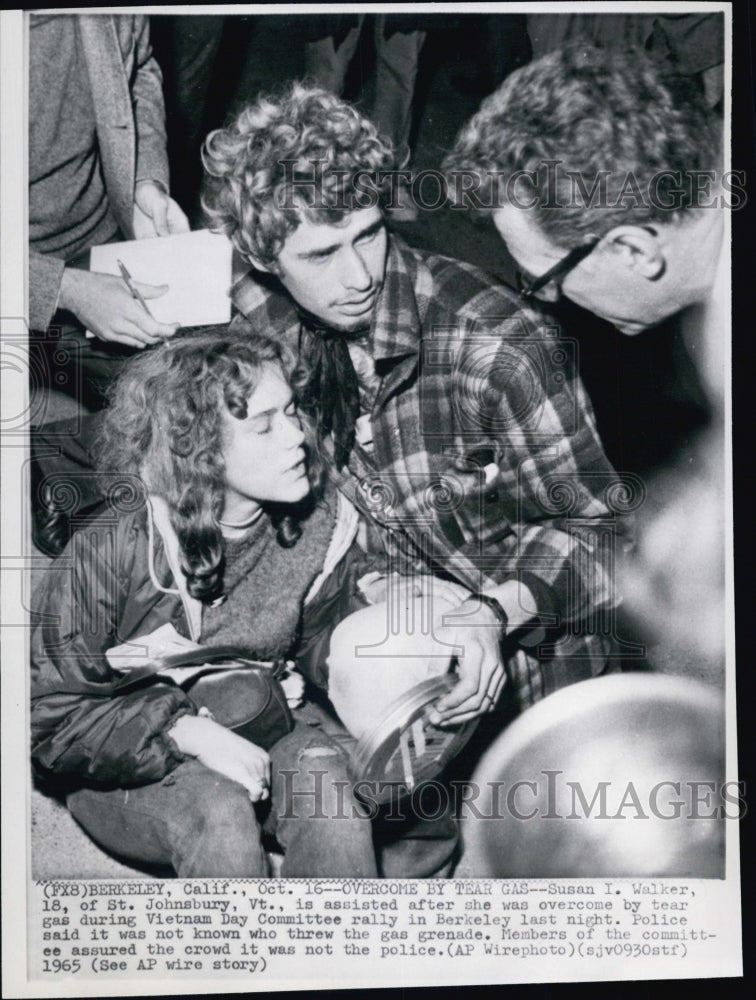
(495, 689)
(151, 291)
(459, 720)
(258, 790)
(259, 781)
(108, 309)
(257, 764)
(159, 218)
(226, 752)
(468, 693)
(476, 668)
(252, 770)
(146, 323)
(136, 329)
(487, 704)
(156, 213)
(122, 338)
(177, 221)
(481, 678)
(152, 201)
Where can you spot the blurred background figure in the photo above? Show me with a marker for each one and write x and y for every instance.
(186, 49)
(685, 45)
(505, 47)
(331, 45)
(617, 776)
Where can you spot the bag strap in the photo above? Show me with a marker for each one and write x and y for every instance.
(197, 657)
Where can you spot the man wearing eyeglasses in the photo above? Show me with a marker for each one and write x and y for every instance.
(604, 179)
(603, 175)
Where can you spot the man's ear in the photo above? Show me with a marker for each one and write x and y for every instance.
(639, 249)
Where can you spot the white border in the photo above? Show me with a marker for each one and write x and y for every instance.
(14, 530)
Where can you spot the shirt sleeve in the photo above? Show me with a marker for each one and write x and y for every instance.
(149, 109)
(544, 512)
(79, 725)
(45, 276)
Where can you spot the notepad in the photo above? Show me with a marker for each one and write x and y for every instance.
(196, 266)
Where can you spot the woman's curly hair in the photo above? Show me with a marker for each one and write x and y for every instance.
(164, 423)
(303, 153)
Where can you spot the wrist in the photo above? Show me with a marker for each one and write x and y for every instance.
(189, 732)
(70, 282)
(146, 192)
(502, 619)
(152, 183)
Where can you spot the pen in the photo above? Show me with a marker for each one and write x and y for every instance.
(135, 293)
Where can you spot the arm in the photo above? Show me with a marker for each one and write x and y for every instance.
(101, 302)
(146, 87)
(223, 751)
(540, 517)
(77, 726)
(45, 276)
(155, 213)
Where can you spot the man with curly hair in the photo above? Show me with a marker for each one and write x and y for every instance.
(458, 422)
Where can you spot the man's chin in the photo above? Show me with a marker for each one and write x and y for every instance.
(355, 329)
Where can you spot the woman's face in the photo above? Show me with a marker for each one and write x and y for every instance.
(264, 454)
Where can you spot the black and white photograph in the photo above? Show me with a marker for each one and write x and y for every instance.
(367, 496)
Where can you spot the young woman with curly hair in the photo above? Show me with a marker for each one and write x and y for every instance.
(235, 542)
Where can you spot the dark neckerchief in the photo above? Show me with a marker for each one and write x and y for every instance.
(330, 394)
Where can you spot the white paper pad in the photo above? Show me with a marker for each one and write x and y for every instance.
(196, 266)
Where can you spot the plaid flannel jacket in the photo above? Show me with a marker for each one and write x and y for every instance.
(487, 465)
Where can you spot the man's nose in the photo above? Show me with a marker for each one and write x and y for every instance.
(356, 274)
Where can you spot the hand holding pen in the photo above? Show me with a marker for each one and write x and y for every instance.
(135, 293)
(114, 308)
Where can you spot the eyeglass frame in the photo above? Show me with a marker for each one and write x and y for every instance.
(560, 270)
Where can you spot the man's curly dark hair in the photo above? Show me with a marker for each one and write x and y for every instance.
(303, 153)
(598, 113)
(164, 423)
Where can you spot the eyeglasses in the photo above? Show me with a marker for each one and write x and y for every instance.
(529, 288)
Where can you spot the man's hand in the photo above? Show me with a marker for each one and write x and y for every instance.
(481, 671)
(223, 751)
(155, 213)
(103, 304)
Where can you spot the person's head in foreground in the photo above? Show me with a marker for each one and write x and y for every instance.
(601, 176)
(299, 182)
(210, 424)
(618, 776)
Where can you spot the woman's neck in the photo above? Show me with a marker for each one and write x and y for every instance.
(236, 522)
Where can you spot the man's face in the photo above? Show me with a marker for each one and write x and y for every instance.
(605, 282)
(335, 272)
